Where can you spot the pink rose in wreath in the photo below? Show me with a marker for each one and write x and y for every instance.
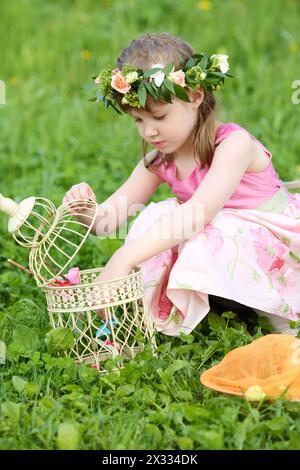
(119, 83)
(177, 77)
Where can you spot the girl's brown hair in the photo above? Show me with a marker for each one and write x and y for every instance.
(149, 49)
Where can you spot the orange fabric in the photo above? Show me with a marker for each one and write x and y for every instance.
(271, 362)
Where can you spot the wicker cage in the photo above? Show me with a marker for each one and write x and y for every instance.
(123, 331)
(55, 237)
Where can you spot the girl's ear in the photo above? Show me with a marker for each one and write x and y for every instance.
(196, 97)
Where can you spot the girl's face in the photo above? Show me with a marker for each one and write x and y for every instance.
(168, 126)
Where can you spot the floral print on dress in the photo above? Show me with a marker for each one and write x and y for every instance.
(270, 251)
(214, 239)
(250, 256)
(165, 303)
(283, 280)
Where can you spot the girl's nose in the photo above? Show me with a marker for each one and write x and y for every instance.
(150, 131)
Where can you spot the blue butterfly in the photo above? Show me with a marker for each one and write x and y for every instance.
(103, 330)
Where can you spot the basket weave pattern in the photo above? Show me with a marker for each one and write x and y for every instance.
(55, 237)
(126, 316)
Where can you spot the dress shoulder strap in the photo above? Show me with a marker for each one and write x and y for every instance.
(226, 129)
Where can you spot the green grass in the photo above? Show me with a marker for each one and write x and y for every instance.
(51, 137)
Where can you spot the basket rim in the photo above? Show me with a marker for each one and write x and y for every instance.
(136, 272)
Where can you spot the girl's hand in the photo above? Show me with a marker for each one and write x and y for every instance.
(79, 191)
(116, 267)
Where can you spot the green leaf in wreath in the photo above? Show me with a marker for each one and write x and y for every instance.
(168, 84)
(181, 93)
(190, 63)
(212, 81)
(168, 68)
(203, 62)
(112, 104)
(150, 90)
(142, 94)
(166, 94)
(199, 56)
(150, 72)
(155, 89)
(216, 74)
(99, 96)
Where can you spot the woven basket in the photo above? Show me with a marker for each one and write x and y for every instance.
(55, 237)
(122, 333)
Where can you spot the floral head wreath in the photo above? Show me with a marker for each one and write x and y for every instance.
(131, 85)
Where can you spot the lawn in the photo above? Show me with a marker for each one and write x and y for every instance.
(51, 137)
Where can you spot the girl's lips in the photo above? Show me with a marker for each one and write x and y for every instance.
(159, 143)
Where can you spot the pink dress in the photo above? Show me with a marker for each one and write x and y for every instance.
(249, 252)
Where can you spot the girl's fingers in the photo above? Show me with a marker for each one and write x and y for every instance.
(75, 194)
(80, 191)
(92, 195)
(85, 191)
(75, 199)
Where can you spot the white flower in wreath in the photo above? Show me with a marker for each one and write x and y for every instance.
(131, 77)
(220, 61)
(158, 76)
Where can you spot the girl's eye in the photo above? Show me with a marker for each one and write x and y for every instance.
(157, 118)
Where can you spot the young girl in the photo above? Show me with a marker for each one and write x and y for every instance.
(233, 231)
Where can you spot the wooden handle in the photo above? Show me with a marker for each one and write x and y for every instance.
(8, 206)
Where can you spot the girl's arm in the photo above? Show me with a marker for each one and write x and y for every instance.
(123, 203)
(126, 201)
(231, 159)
